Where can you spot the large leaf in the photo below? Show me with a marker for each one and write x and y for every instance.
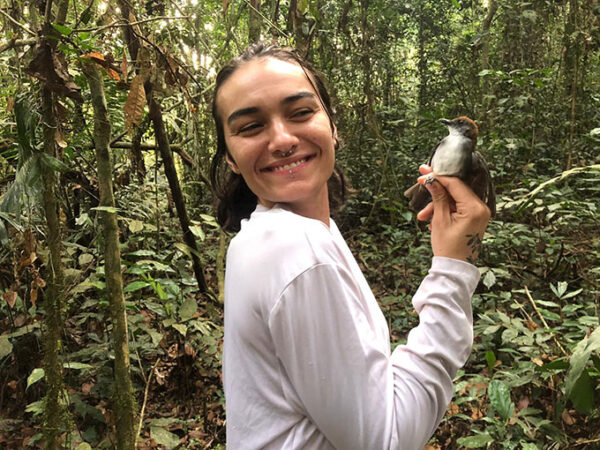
(574, 388)
(164, 437)
(187, 309)
(477, 441)
(134, 106)
(5, 346)
(500, 399)
(35, 376)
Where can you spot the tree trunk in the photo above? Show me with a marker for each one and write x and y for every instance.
(55, 414)
(254, 21)
(167, 156)
(484, 84)
(123, 402)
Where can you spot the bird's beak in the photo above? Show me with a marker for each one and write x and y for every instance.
(446, 122)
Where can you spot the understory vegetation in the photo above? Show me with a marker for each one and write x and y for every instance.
(86, 364)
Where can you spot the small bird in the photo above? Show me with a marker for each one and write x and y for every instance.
(456, 156)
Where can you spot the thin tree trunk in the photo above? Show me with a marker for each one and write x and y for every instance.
(55, 414)
(254, 21)
(123, 402)
(485, 85)
(167, 156)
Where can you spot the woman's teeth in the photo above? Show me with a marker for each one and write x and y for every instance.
(290, 166)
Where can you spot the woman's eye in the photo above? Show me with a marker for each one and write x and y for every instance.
(302, 113)
(248, 128)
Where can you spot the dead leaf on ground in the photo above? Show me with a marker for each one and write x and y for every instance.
(567, 418)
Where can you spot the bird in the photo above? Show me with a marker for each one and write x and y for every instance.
(456, 156)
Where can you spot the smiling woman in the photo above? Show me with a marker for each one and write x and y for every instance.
(307, 361)
(248, 112)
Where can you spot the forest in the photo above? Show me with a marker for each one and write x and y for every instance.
(112, 262)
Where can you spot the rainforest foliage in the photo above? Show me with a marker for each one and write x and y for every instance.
(111, 262)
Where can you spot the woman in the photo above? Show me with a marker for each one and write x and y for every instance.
(307, 362)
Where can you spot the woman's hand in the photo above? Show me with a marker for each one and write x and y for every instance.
(458, 217)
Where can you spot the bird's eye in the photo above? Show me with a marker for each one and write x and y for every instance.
(461, 121)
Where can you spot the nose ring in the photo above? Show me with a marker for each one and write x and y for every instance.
(288, 153)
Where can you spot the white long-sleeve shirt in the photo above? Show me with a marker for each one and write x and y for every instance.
(307, 361)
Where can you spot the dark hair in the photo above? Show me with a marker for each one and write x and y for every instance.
(235, 200)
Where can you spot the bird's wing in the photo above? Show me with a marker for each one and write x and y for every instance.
(434, 149)
(482, 180)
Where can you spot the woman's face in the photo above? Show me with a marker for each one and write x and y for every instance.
(278, 135)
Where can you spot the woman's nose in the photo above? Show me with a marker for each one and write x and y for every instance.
(281, 136)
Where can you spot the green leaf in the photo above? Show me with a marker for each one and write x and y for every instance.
(490, 357)
(62, 29)
(36, 408)
(477, 441)
(136, 226)
(53, 163)
(489, 279)
(164, 437)
(181, 328)
(136, 286)
(579, 359)
(155, 336)
(582, 394)
(528, 446)
(77, 365)
(108, 209)
(83, 446)
(35, 376)
(500, 399)
(302, 6)
(198, 232)
(163, 422)
(187, 309)
(85, 259)
(5, 346)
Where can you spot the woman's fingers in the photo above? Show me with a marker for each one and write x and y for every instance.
(458, 217)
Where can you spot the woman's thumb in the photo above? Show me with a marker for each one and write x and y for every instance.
(439, 195)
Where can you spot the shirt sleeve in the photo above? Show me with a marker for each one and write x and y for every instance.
(346, 382)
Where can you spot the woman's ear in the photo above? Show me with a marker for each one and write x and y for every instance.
(231, 163)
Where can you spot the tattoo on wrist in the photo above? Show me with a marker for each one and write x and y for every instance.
(474, 242)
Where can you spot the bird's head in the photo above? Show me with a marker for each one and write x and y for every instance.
(462, 125)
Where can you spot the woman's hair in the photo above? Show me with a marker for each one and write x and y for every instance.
(235, 200)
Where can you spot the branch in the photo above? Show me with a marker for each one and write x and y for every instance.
(177, 148)
(13, 43)
(139, 430)
(119, 23)
(19, 24)
(532, 301)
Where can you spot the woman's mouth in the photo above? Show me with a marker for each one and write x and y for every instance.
(288, 167)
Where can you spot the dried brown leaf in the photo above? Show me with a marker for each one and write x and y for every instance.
(112, 73)
(33, 296)
(94, 56)
(134, 106)
(51, 69)
(59, 137)
(10, 297)
(124, 66)
(10, 104)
